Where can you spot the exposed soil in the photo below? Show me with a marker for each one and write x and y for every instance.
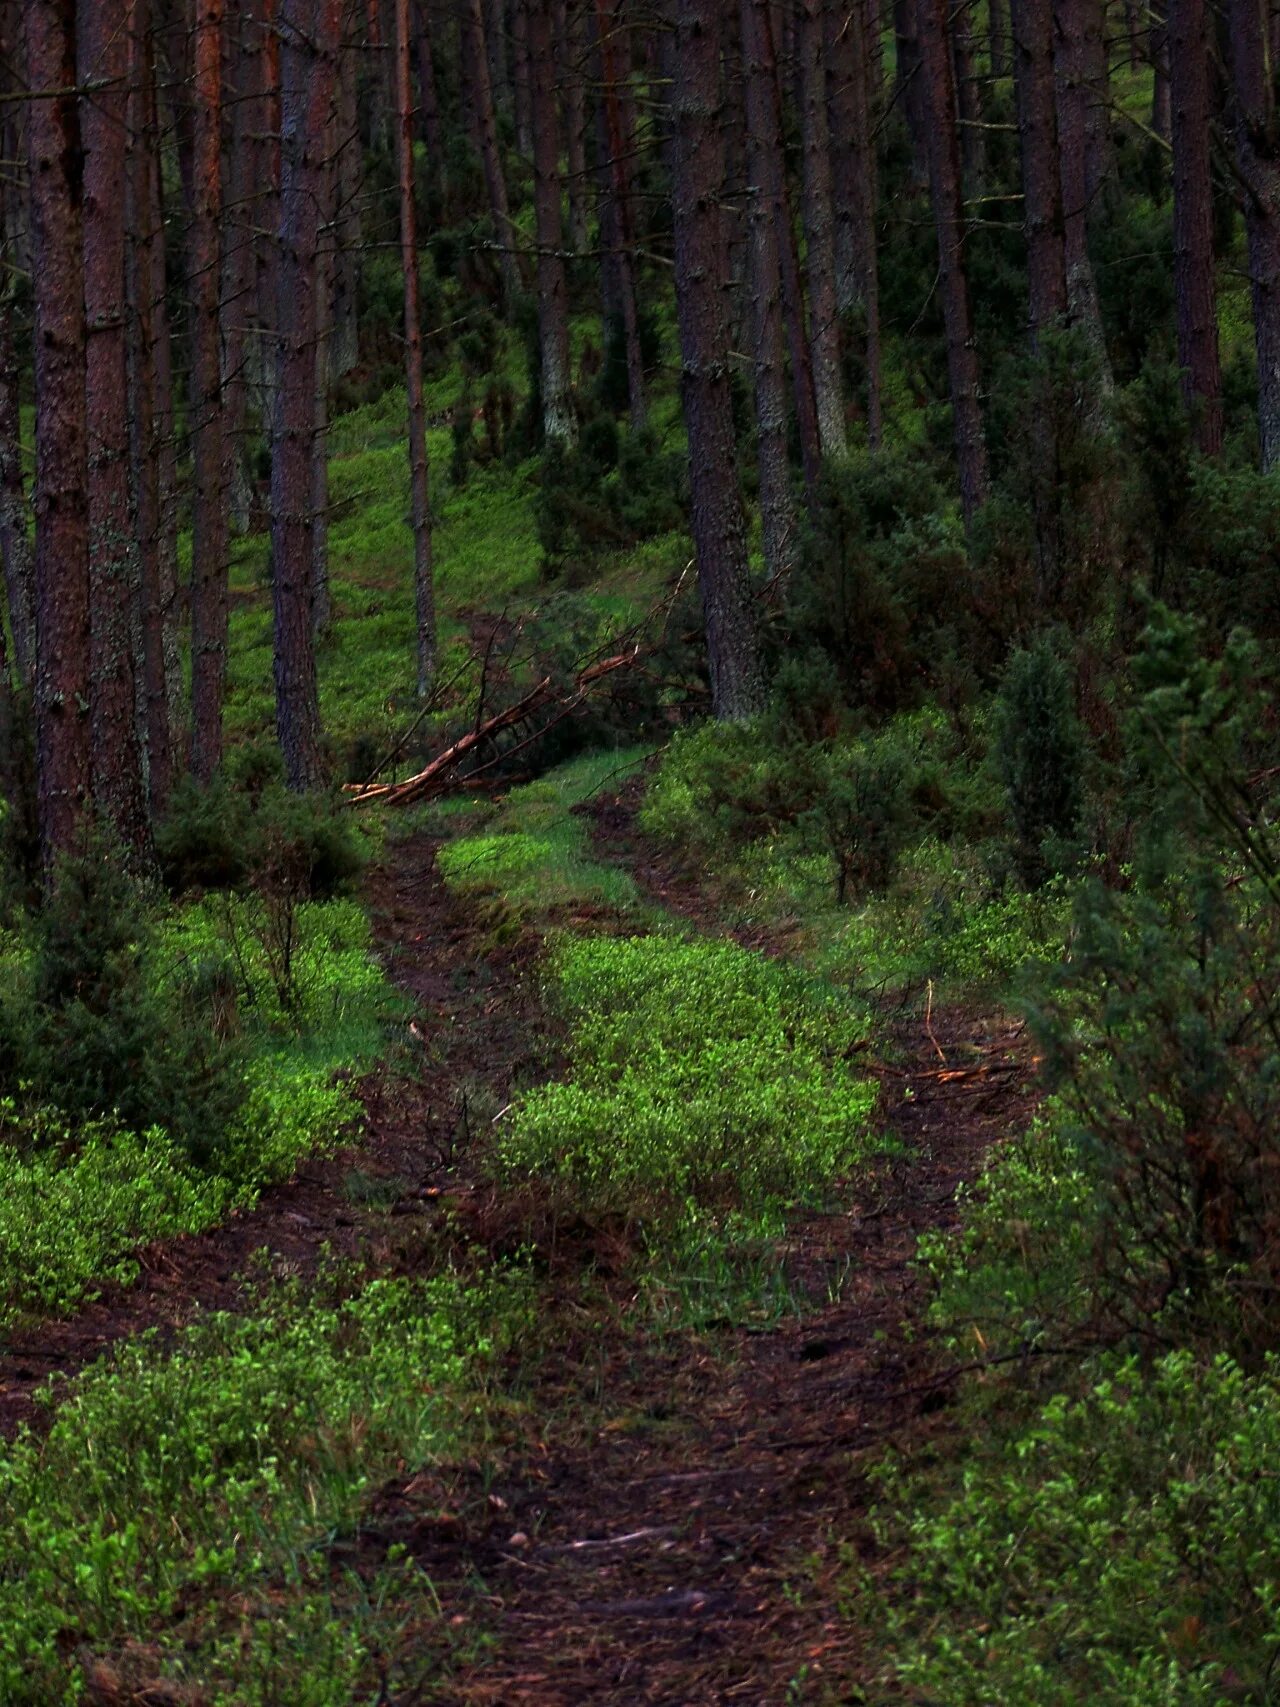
(475, 1036)
(673, 1531)
(666, 1518)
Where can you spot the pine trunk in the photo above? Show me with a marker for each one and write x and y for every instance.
(1041, 174)
(1257, 136)
(824, 320)
(719, 531)
(1075, 97)
(1190, 82)
(777, 507)
(615, 69)
(424, 591)
(62, 516)
(477, 62)
(209, 509)
(310, 31)
(948, 206)
(115, 611)
(559, 426)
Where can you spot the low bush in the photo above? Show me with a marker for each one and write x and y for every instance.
(701, 1074)
(187, 1498)
(1121, 1548)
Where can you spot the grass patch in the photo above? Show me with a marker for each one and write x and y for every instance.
(187, 1499)
(703, 1077)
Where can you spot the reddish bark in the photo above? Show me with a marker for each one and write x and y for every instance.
(1257, 135)
(1190, 82)
(523, 82)
(777, 508)
(948, 208)
(558, 421)
(737, 684)
(1041, 174)
(613, 49)
(856, 183)
(310, 36)
(115, 612)
(424, 592)
(476, 60)
(209, 508)
(62, 517)
(151, 451)
(15, 548)
(820, 259)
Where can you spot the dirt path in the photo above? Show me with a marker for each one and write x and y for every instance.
(673, 1532)
(666, 1518)
(476, 1034)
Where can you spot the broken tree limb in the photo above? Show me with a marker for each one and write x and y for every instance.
(435, 777)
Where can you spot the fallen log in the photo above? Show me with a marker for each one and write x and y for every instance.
(436, 776)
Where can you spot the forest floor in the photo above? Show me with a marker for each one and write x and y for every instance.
(668, 1518)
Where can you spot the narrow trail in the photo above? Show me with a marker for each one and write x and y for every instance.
(664, 1522)
(475, 1028)
(675, 1533)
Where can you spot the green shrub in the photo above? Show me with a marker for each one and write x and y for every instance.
(702, 1073)
(1039, 750)
(178, 1491)
(259, 834)
(1123, 1548)
(84, 1028)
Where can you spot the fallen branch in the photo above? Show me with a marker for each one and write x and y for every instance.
(436, 776)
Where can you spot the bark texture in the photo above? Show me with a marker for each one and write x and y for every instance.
(115, 610)
(309, 54)
(948, 207)
(558, 423)
(423, 588)
(1190, 83)
(1041, 175)
(62, 517)
(819, 231)
(719, 532)
(1257, 137)
(209, 507)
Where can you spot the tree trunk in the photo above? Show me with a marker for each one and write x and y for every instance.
(568, 22)
(150, 449)
(1161, 89)
(238, 294)
(62, 517)
(777, 507)
(310, 34)
(719, 533)
(1074, 99)
(824, 322)
(523, 101)
(998, 37)
(1099, 150)
(558, 421)
(115, 610)
(424, 591)
(477, 63)
(944, 172)
(1041, 175)
(1190, 83)
(344, 341)
(15, 547)
(1257, 137)
(209, 509)
(614, 55)
(973, 152)
(326, 281)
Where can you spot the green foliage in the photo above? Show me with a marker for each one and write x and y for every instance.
(180, 1495)
(862, 816)
(612, 489)
(1122, 1548)
(83, 1027)
(74, 1210)
(281, 844)
(1039, 750)
(702, 1074)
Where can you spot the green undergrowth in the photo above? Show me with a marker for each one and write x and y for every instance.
(704, 1078)
(532, 851)
(189, 1503)
(306, 1006)
(1120, 1546)
(882, 852)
